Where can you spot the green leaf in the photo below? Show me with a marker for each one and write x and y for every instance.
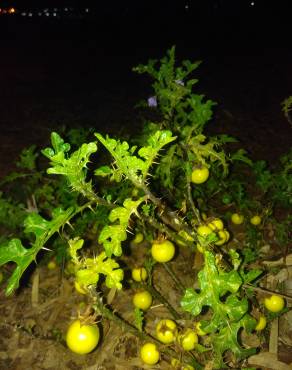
(219, 291)
(111, 236)
(129, 165)
(139, 319)
(14, 251)
(73, 167)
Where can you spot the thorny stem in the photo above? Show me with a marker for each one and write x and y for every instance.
(172, 274)
(156, 294)
(249, 286)
(192, 204)
(105, 312)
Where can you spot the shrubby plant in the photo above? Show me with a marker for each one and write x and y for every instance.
(158, 185)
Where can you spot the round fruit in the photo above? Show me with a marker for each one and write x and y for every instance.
(274, 303)
(80, 289)
(163, 251)
(224, 237)
(138, 238)
(149, 354)
(262, 323)
(204, 230)
(166, 331)
(188, 340)
(142, 300)
(139, 274)
(255, 220)
(237, 219)
(200, 174)
(198, 329)
(82, 339)
(216, 224)
(51, 265)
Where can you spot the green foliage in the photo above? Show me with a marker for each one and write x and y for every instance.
(14, 251)
(74, 167)
(138, 319)
(89, 269)
(111, 236)
(145, 186)
(219, 290)
(127, 164)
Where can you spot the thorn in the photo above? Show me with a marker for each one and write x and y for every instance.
(47, 249)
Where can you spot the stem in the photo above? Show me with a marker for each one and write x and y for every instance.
(172, 274)
(156, 294)
(192, 204)
(100, 308)
(249, 286)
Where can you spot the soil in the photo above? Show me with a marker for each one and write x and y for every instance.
(50, 80)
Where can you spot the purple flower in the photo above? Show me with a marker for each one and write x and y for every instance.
(152, 101)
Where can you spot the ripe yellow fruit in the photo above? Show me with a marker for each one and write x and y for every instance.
(262, 323)
(166, 331)
(149, 353)
(200, 174)
(237, 218)
(216, 224)
(274, 303)
(255, 220)
(142, 300)
(188, 339)
(224, 237)
(204, 230)
(139, 274)
(138, 238)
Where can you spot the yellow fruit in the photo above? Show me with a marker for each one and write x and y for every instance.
(142, 300)
(255, 220)
(188, 340)
(274, 303)
(52, 265)
(149, 353)
(237, 219)
(166, 331)
(262, 323)
(216, 224)
(138, 238)
(224, 237)
(204, 230)
(139, 274)
(200, 174)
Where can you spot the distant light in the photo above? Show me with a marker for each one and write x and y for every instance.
(86, 10)
(66, 9)
(54, 14)
(11, 11)
(23, 14)
(39, 14)
(187, 7)
(30, 14)
(252, 3)
(47, 14)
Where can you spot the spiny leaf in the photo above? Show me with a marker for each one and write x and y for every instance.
(14, 251)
